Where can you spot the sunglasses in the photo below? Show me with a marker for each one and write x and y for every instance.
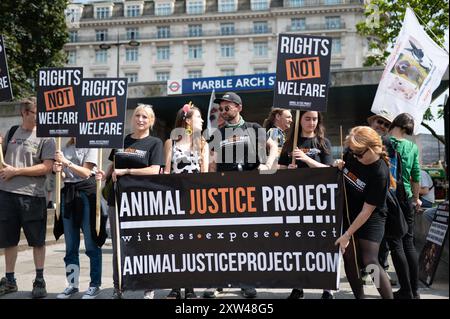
(383, 123)
(226, 108)
(357, 155)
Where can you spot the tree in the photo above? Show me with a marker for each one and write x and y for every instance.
(35, 32)
(383, 23)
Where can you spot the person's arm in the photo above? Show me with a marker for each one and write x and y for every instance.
(41, 169)
(273, 153)
(301, 156)
(424, 191)
(168, 156)
(81, 171)
(213, 163)
(150, 170)
(205, 158)
(362, 217)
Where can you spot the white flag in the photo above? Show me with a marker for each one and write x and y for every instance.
(413, 71)
(214, 119)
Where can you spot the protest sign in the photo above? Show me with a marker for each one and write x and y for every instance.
(5, 82)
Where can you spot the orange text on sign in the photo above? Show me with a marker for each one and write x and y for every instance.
(101, 109)
(305, 68)
(59, 99)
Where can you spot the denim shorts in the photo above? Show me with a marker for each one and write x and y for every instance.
(22, 211)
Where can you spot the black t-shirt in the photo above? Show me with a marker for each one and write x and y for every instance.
(311, 148)
(241, 148)
(137, 153)
(365, 183)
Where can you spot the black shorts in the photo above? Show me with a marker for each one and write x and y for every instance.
(17, 211)
(372, 229)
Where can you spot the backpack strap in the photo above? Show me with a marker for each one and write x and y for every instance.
(11, 132)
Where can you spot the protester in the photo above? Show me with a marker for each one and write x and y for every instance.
(142, 155)
(313, 149)
(23, 204)
(241, 142)
(402, 126)
(426, 190)
(78, 211)
(380, 123)
(187, 152)
(277, 124)
(366, 189)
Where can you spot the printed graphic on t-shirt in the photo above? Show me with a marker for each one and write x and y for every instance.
(235, 140)
(132, 152)
(353, 180)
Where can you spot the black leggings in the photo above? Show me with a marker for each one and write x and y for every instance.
(367, 252)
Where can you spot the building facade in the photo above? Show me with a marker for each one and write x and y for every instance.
(156, 40)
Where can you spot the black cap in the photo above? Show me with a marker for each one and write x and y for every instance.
(229, 96)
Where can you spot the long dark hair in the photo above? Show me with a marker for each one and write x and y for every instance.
(270, 120)
(405, 122)
(197, 141)
(319, 132)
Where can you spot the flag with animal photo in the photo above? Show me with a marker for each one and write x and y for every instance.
(413, 71)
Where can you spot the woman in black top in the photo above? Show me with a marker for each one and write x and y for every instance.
(313, 150)
(366, 187)
(142, 155)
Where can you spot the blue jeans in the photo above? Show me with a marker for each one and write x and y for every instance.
(72, 238)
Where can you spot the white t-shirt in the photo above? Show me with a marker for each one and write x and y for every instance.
(78, 156)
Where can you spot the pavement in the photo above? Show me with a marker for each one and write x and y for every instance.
(54, 274)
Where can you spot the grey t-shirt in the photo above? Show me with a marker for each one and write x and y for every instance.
(78, 156)
(25, 150)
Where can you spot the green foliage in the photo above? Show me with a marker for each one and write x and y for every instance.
(390, 14)
(35, 32)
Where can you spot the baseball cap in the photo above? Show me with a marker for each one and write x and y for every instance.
(229, 96)
(383, 114)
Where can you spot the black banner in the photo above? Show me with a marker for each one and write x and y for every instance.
(432, 250)
(58, 97)
(231, 229)
(303, 71)
(102, 113)
(5, 82)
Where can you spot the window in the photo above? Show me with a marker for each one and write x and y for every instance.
(336, 45)
(195, 7)
(298, 24)
(132, 77)
(228, 72)
(227, 28)
(260, 49)
(133, 11)
(260, 27)
(163, 53)
(163, 32)
(296, 3)
(194, 74)
(227, 50)
(101, 35)
(227, 5)
(195, 30)
(73, 36)
(163, 9)
(260, 70)
(162, 76)
(333, 22)
(257, 5)
(195, 51)
(101, 56)
(99, 75)
(132, 33)
(102, 12)
(72, 57)
(131, 54)
(331, 2)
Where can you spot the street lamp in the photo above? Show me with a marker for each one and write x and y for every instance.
(106, 46)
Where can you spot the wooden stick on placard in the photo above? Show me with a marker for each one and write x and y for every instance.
(98, 207)
(58, 184)
(297, 124)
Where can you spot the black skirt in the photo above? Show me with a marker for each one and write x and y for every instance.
(372, 229)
